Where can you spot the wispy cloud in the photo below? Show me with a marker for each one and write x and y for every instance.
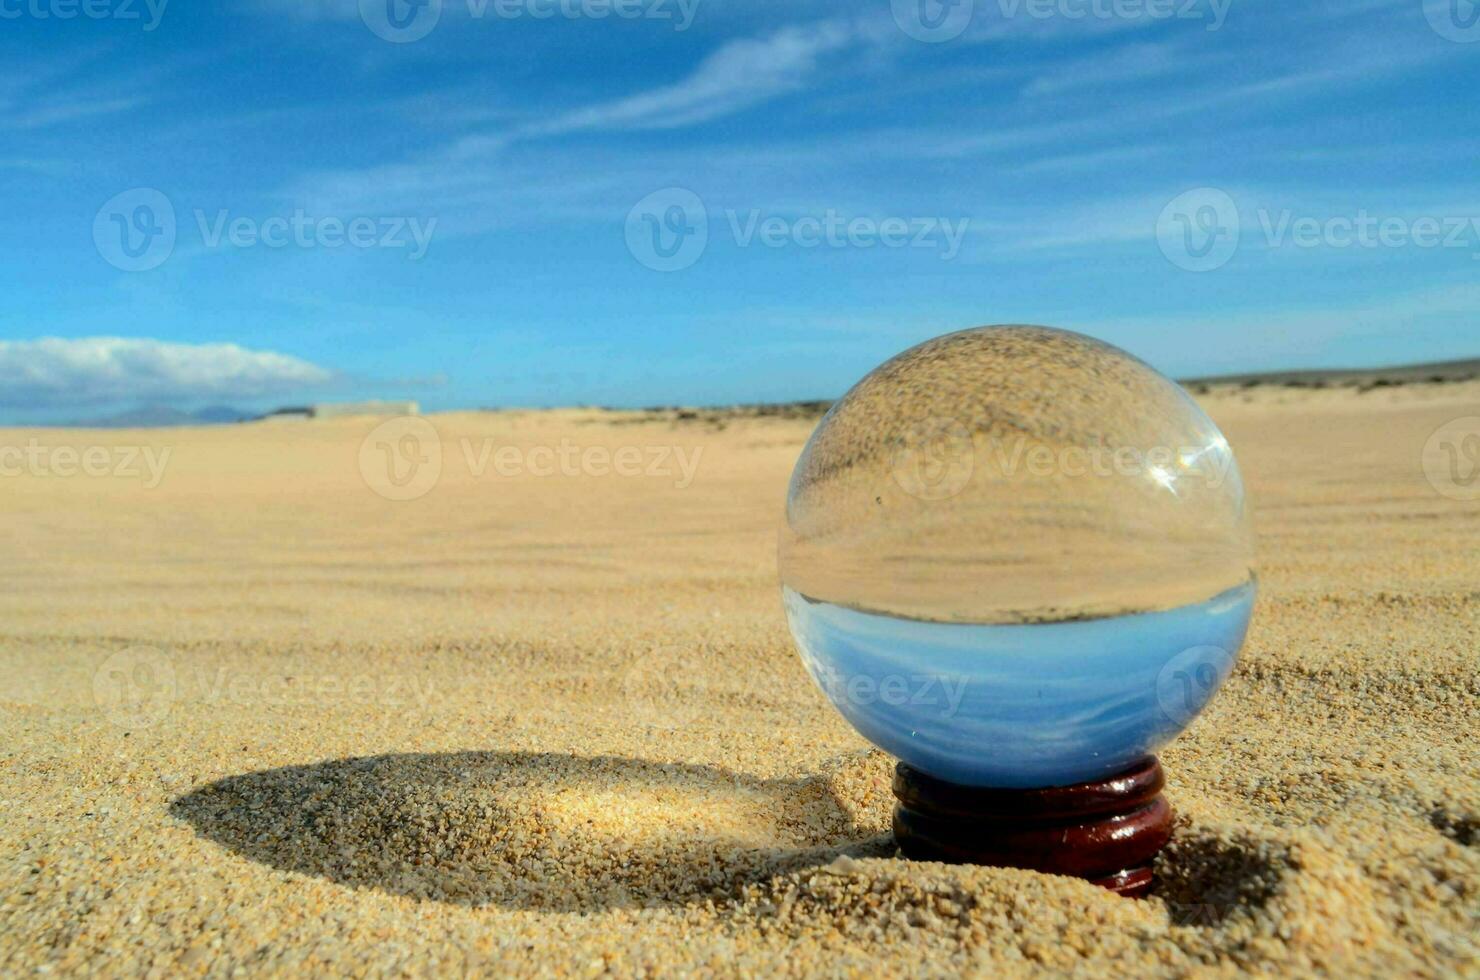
(56, 110)
(1098, 224)
(458, 177)
(42, 94)
(56, 373)
(49, 168)
(1130, 63)
(1068, 162)
(738, 75)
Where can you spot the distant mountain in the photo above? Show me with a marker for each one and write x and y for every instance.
(163, 416)
(221, 415)
(1438, 372)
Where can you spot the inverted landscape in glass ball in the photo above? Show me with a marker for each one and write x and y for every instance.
(1017, 557)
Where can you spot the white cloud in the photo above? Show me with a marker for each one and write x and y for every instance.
(56, 373)
(738, 75)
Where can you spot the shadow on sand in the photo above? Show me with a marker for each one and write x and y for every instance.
(530, 830)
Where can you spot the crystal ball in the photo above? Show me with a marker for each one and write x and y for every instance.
(1017, 557)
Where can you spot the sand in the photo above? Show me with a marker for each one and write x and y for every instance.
(261, 719)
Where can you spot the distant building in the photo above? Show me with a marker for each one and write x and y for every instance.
(335, 410)
(339, 410)
(298, 412)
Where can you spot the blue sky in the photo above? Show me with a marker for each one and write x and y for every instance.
(1190, 179)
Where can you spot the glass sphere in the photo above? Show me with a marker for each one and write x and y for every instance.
(1017, 557)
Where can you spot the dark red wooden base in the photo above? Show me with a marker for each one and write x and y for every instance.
(1107, 830)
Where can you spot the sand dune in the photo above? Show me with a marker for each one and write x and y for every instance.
(260, 715)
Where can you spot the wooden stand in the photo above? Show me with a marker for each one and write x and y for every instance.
(1107, 830)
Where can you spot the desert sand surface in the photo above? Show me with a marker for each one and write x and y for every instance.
(261, 718)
